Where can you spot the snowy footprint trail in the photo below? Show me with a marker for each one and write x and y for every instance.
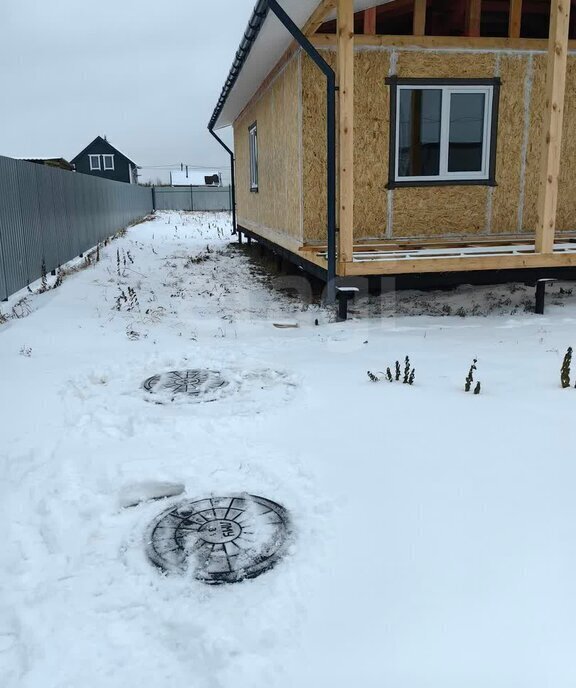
(434, 537)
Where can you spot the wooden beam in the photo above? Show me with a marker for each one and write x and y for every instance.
(346, 128)
(419, 21)
(553, 118)
(328, 40)
(515, 19)
(370, 21)
(473, 16)
(458, 264)
(318, 16)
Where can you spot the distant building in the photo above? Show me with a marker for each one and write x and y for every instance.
(101, 159)
(61, 163)
(195, 178)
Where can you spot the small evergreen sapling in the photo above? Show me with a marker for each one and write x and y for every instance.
(397, 371)
(470, 376)
(373, 378)
(565, 370)
(406, 370)
(477, 388)
(389, 375)
(412, 376)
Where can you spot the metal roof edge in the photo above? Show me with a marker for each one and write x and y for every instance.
(257, 19)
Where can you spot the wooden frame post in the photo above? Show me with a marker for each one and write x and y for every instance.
(473, 17)
(419, 22)
(515, 19)
(370, 21)
(553, 118)
(346, 128)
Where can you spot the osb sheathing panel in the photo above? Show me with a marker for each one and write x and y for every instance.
(371, 135)
(533, 153)
(371, 127)
(566, 214)
(428, 64)
(441, 210)
(314, 147)
(511, 134)
(277, 205)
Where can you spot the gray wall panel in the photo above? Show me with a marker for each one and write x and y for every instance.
(193, 198)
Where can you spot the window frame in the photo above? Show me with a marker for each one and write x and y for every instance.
(93, 167)
(104, 156)
(253, 156)
(487, 177)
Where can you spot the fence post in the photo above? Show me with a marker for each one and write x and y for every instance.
(153, 198)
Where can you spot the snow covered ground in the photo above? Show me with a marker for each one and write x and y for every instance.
(435, 530)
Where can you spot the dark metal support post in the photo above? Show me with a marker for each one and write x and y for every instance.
(541, 295)
(232, 179)
(153, 198)
(343, 295)
(328, 72)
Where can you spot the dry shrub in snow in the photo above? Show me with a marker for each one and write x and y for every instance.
(565, 370)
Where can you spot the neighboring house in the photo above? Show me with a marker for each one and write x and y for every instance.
(449, 156)
(195, 178)
(61, 163)
(101, 159)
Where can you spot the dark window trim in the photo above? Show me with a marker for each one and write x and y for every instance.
(394, 82)
(251, 128)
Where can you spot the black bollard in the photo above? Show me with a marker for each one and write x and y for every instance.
(541, 294)
(343, 295)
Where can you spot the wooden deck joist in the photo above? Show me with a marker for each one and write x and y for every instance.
(461, 263)
(455, 259)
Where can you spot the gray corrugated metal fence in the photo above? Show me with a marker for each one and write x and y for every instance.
(52, 215)
(193, 197)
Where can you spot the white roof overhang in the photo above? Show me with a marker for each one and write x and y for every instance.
(268, 47)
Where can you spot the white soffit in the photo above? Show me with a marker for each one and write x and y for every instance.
(271, 43)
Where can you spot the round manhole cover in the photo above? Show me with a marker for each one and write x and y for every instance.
(222, 539)
(201, 385)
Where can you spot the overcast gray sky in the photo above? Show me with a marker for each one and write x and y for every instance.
(145, 73)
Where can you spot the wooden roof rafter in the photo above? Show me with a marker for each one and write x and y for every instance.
(318, 17)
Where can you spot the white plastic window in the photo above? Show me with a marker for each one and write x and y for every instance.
(253, 139)
(443, 133)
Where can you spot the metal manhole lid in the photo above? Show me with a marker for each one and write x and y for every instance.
(198, 384)
(221, 539)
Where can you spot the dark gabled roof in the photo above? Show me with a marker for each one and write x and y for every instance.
(103, 140)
